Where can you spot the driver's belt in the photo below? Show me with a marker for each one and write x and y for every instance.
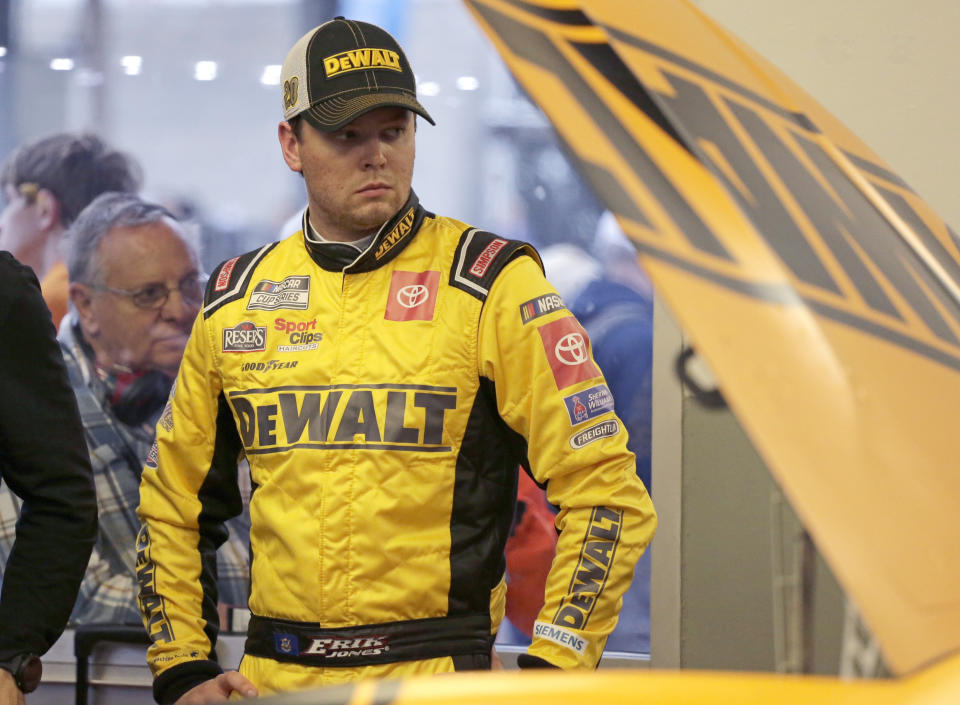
(312, 644)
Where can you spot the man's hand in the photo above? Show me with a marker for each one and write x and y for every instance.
(215, 690)
(10, 694)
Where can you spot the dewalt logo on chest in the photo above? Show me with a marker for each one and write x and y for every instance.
(334, 417)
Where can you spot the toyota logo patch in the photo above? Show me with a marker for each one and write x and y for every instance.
(571, 350)
(568, 351)
(413, 296)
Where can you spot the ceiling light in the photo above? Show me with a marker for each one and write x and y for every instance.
(271, 75)
(132, 65)
(62, 64)
(468, 83)
(205, 70)
(429, 88)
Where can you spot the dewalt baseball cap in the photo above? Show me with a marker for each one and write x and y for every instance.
(343, 69)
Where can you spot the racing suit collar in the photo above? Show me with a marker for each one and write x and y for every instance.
(390, 240)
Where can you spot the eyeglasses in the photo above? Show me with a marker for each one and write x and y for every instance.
(154, 296)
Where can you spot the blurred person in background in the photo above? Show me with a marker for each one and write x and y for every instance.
(135, 288)
(45, 185)
(385, 370)
(43, 461)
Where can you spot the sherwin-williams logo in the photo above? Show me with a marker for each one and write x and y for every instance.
(293, 292)
(588, 404)
(540, 306)
(590, 575)
(358, 59)
(244, 337)
(594, 433)
(400, 231)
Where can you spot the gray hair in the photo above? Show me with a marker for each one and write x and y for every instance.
(106, 212)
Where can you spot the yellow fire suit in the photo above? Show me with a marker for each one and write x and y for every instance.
(384, 409)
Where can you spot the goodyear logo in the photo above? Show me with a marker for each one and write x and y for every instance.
(374, 417)
(590, 575)
(268, 365)
(358, 59)
(399, 232)
(151, 604)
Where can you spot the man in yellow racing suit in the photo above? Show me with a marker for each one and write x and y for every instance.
(384, 384)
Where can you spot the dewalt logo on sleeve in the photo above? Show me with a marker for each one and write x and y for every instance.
(402, 417)
(358, 59)
(593, 568)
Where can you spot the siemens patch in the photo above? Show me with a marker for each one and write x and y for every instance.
(540, 306)
(594, 433)
(292, 293)
(588, 404)
(559, 635)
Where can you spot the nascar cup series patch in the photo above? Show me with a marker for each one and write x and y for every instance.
(588, 404)
(292, 293)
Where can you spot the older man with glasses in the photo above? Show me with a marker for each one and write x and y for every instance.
(135, 289)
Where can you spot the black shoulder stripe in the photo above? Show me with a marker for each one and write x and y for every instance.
(230, 279)
(480, 257)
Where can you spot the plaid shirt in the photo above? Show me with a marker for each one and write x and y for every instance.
(109, 590)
